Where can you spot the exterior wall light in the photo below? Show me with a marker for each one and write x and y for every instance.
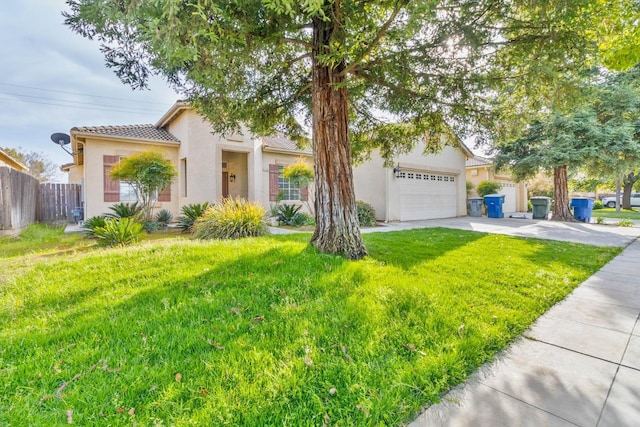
(397, 171)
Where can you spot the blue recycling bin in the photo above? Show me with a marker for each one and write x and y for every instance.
(494, 204)
(582, 208)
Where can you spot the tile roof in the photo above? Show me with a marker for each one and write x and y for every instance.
(281, 142)
(148, 132)
(478, 161)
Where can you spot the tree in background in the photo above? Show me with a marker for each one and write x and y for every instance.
(555, 144)
(148, 173)
(364, 75)
(43, 169)
(600, 137)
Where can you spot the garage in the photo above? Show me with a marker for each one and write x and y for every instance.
(425, 195)
(509, 191)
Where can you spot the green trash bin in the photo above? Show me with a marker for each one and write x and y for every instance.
(475, 206)
(540, 206)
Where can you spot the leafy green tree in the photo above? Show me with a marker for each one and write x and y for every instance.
(362, 74)
(600, 137)
(148, 173)
(43, 169)
(555, 144)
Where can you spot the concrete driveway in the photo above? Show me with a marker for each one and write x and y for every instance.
(579, 232)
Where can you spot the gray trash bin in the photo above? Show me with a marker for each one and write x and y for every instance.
(475, 206)
(540, 206)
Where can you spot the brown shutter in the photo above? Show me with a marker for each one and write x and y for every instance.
(274, 173)
(165, 195)
(111, 187)
(304, 193)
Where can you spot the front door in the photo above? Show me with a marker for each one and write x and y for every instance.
(225, 185)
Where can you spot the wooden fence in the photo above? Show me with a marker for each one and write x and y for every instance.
(57, 201)
(18, 199)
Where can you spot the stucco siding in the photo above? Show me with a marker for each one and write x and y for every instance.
(370, 184)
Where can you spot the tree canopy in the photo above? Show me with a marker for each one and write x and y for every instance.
(40, 167)
(362, 75)
(601, 137)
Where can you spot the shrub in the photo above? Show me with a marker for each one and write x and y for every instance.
(231, 219)
(125, 210)
(488, 187)
(599, 220)
(163, 217)
(118, 232)
(626, 222)
(190, 213)
(470, 187)
(151, 226)
(598, 204)
(290, 215)
(366, 214)
(529, 206)
(91, 224)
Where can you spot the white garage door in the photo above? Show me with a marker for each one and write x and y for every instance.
(427, 196)
(509, 191)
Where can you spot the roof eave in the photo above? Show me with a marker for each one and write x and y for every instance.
(78, 134)
(285, 151)
(173, 112)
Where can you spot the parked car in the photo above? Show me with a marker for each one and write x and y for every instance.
(610, 202)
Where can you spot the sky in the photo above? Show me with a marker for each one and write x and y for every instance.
(52, 79)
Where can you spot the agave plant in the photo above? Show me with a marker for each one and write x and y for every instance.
(92, 223)
(118, 232)
(125, 210)
(189, 215)
(291, 215)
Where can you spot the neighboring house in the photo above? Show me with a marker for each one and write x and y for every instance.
(481, 169)
(7, 160)
(211, 166)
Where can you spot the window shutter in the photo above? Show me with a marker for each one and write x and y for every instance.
(111, 187)
(165, 195)
(304, 193)
(274, 173)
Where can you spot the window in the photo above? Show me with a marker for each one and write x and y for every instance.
(287, 190)
(127, 194)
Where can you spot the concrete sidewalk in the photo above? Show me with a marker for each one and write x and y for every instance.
(579, 232)
(578, 365)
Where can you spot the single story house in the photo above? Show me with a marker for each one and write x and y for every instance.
(479, 169)
(212, 166)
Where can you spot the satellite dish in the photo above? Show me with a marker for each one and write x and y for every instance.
(61, 139)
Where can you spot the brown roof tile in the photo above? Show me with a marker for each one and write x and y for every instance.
(148, 132)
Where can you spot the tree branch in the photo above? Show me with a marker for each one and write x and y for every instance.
(383, 30)
(298, 42)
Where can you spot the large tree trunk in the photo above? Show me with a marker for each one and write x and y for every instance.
(629, 181)
(561, 209)
(337, 230)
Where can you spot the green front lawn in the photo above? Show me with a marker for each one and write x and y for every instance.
(611, 213)
(266, 331)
